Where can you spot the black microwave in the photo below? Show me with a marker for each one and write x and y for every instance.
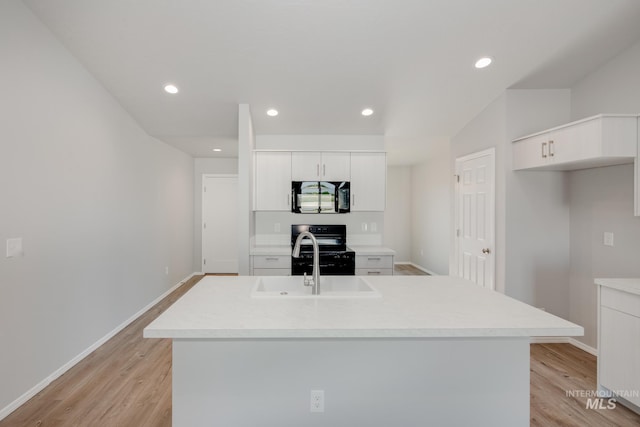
(320, 197)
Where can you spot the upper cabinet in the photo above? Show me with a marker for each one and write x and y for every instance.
(368, 181)
(320, 166)
(272, 181)
(602, 140)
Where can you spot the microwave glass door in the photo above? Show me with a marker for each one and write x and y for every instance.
(327, 197)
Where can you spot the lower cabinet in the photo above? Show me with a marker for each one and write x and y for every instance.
(271, 265)
(619, 343)
(374, 265)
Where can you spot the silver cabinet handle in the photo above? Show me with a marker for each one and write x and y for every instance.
(317, 169)
(271, 258)
(374, 259)
(486, 251)
(373, 272)
(551, 150)
(544, 151)
(324, 170)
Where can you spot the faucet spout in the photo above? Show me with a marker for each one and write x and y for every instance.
(315, 290)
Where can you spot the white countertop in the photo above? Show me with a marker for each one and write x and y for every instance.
(286, 250)
(270, 250)
(372, 250)
(631, 285)
(411, 306)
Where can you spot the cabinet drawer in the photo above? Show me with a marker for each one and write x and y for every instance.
(621, 301)
(272, 272)
(374, 271)
(374, 261)
(272, 261)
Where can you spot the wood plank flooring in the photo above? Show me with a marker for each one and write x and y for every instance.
(560, 368)
(127, 382)
(408, 270)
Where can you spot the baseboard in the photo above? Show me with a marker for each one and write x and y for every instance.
(4, 412)
(582, 346)
(565, 340)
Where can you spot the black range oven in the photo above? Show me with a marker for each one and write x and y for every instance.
(336, 259)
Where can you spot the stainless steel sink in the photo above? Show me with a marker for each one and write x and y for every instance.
(332, 287)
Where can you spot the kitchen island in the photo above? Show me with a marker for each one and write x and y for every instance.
(430, 351)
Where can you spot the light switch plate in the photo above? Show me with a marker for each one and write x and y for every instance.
(14, 247)
(608, 238)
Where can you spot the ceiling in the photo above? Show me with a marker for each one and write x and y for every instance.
(320, 62)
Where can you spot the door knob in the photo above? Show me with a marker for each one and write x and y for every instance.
(486, 251)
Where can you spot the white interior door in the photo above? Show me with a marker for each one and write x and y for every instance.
(220, 223)
(475, 213)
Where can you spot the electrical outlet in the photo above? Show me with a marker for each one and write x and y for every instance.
(14, 247)
(317, 401)
(166, 271)
(608, 238)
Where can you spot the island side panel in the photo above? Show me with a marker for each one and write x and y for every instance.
(372, 382)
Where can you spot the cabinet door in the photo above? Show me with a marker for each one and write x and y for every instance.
(531, 152)
(306, 166)
(273, 181)
(619, 353)
(581, 141)
(368, 181)
(335, 167)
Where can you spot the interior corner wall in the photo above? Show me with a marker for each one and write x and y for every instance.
(246, 223)
(532, 215)
(102, 207)
(536, 208)
(601, 199)
(430, 203)
(397, 215)
(225, 166)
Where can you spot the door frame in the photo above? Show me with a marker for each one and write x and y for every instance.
(202, 217)
(454, 269)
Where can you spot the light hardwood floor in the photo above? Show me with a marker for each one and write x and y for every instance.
(127, 382)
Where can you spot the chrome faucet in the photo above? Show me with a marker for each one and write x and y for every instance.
(315, 281)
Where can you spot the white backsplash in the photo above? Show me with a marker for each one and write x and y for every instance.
(363, 228)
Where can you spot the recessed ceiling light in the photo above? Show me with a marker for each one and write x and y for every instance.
(171, 89)
(272, 112)
(367, 112)
(217, 150)
(483, 62)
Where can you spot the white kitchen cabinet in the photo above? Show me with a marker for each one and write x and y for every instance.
(271, 265)
(619, 342)
(602, 140)
(272, 181)
(368, 181)
(373, 264)
(320, 166)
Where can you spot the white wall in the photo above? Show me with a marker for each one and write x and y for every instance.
(397, 227)
(205, 166)
(246, 217)
(532, 216)
(602, 198)
(486, 130)
(102, 208)
(430, 206)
